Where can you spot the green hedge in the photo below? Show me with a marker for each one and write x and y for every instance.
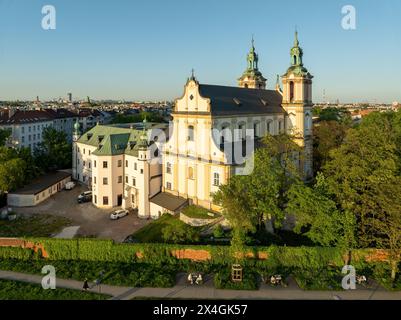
(107, 251)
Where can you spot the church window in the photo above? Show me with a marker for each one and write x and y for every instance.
(216, 179)
(256, 129)
(268, 126)
(190, 133)
(190, 173)
(168, 167)
(241, 129)
(291, 91)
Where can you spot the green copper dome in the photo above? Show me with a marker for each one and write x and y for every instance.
(77, 127)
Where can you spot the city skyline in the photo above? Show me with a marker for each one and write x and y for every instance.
(145, 51)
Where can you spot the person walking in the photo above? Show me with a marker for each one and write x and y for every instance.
(86, 285)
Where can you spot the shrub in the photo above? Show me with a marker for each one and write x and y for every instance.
(180, 234)
(218, 231)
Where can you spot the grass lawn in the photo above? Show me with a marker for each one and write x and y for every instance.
(39, 225)
(197, 213)
(16, 290)
(152, 232)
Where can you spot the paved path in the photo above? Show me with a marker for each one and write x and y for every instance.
(207, 291)
(67, 233)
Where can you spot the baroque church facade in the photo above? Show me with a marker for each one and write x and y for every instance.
(196, 162)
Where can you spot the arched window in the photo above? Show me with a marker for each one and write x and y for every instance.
(241, 133)
(256, 127)
(190, 173)
(295, 59)
(269, 126)
(291, 91)
(190, 133)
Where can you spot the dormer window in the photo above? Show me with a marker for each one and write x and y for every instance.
(237, 102)
(100, 138)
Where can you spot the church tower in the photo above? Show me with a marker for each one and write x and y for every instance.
(76, 134)
(297, 102)
(252, 77)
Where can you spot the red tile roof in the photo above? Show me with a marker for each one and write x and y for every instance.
(23, 116)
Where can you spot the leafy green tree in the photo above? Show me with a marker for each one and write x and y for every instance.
(249, 201)
(139, 117)
(234, 202)
(335, 114)
(388, 223)
(54, 152)
(180, 233)
(358, 168)
(317, 213)
(12, 174)
(327, 135)
(32, 170)
(4, 135)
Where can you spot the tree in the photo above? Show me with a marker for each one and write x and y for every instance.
(12, 174)
(341, 115)
(234, 202)
(327, 135)
(181, 233)
(139, 117)
(54, 152)
(358, 168)
(32, 170)
(251, 200)
(316, 212)
(388, 224)
(4, 135)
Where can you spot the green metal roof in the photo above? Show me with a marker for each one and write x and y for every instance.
(114, 140)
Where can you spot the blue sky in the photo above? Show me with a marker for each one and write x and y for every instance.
(146, 49)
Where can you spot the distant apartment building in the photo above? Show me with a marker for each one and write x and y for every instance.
(90, 117)
(26, 126)
(63, 120)
(119, 165)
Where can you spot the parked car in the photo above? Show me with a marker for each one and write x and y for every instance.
(118, 214)
(85, 197)
(69, 185)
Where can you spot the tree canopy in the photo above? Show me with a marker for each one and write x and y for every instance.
(54, 152)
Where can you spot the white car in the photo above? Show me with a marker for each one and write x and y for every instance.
(118, 214)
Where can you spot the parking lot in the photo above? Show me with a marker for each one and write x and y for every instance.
(92, 221)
